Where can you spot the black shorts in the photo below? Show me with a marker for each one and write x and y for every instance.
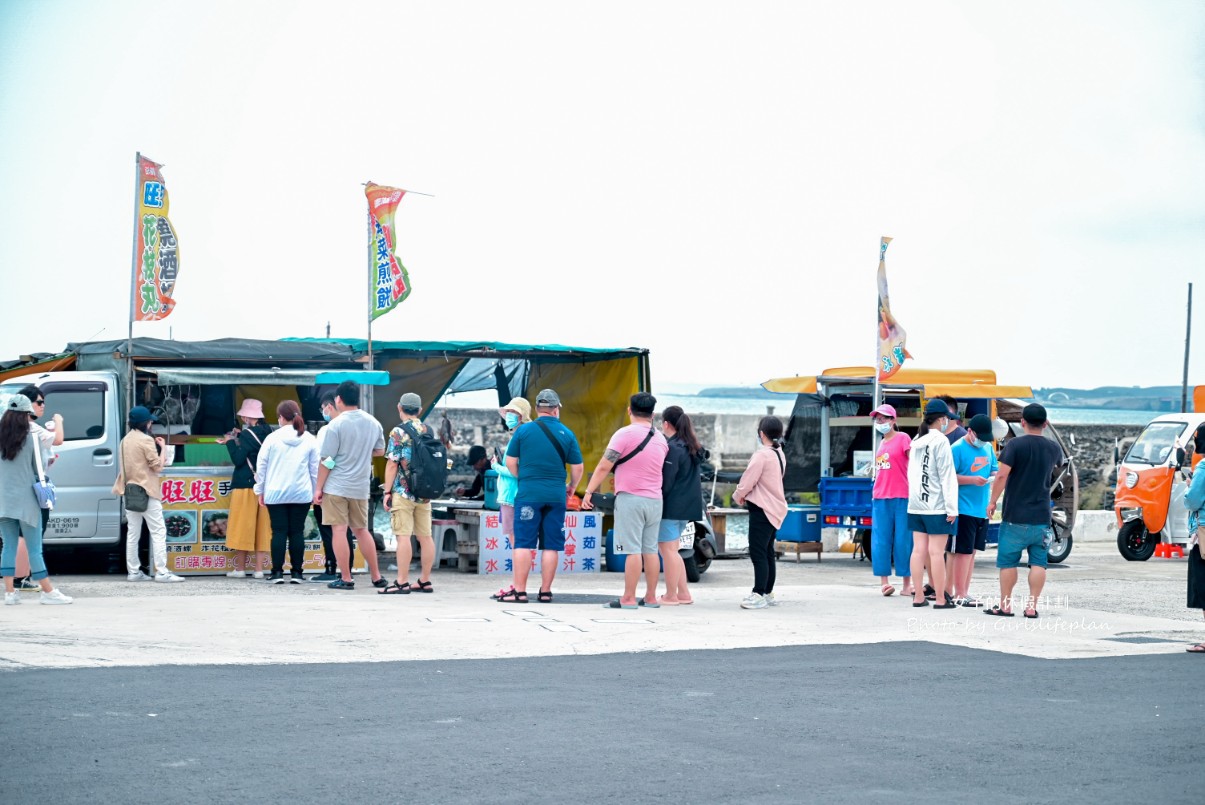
(971, 536)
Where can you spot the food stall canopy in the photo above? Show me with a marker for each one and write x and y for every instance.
(107, 354)
(907, 376)
(594, 383)
(184, 375)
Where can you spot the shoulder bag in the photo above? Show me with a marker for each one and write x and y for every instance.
(137, 499)
(250, 466)
(42, 487)
(605, 501)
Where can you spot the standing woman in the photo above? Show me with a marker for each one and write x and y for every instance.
(516, 413)
(48, 438)
(19, 510)
(286, 476)
(1194, 501)
(681, 499)
(249, 529)
(142, 457)
(760, 490)
(890, 536)
(932, 501)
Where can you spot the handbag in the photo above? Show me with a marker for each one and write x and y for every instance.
(43, 487)
(137, 499)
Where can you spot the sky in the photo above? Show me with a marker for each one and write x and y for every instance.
(705, 179)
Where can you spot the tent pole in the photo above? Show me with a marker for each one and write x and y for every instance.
(129, 401)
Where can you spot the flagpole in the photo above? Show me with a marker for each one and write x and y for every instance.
(371, 234)
(878, 389)
(133, 283)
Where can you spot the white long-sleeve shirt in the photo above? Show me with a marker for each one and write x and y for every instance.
(287, 470)
(932, 482)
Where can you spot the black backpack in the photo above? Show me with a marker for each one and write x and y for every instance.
(427, 475)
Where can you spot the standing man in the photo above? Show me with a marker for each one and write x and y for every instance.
(344, 476)
(408, 514)
(954, 429)
(974, 464)
(330, 570)
(637, 454)
(1026, 471)
(537, 456)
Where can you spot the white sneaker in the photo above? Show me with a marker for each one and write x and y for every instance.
(754, 601)
(259, 574)
(236, 574)
(12, 599)
(139, 576)
(55, 597)
(167, 577)
(771, 601)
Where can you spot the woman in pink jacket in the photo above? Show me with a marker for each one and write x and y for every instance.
(760, 490)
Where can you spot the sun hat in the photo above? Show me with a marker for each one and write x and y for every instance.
(252, 409)
(520, 406)
(884, 410)
(981, 424)
(936, 406)
(140, 414)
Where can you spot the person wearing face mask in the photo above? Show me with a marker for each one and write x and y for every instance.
(975, 464)
(330, 571)
(516, 413)
(890, 537)
(954, 430)
(932, 500)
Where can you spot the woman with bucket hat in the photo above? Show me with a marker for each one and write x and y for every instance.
(141, 458)
(890, 537)
(20, 468)
(514, 413)
(249, 530)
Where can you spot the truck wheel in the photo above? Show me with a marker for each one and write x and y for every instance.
(1060, 546)
(1135, 543)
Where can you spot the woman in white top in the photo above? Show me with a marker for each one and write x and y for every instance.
(286, 475)
(932, 502)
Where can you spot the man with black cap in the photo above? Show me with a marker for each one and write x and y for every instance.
(408, 514)
(1026, 470)
(480, 462)
(974, 463)
(954, 429)
(537, 456)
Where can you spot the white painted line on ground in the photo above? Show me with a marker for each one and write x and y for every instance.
(458, 620)
(620, 620)
(556, 626)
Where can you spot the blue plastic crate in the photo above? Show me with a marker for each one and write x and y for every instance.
(846, 496)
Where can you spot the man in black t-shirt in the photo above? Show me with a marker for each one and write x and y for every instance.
(1026, 470)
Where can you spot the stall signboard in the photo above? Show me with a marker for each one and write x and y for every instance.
(196, 509)
(583, 545)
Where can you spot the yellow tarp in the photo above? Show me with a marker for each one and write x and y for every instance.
(594, 399)
(907, 376)
(426, 377)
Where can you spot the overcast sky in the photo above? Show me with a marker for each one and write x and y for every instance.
(705, 179)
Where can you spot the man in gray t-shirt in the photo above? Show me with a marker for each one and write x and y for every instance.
(349, 443)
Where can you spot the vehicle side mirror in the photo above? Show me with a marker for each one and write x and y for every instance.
(1181, 457)
(1116, 455)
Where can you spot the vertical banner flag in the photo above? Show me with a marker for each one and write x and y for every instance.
(892, 338)
(389, 280)
(157, 255)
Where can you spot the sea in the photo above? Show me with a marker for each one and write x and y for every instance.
(782, 405)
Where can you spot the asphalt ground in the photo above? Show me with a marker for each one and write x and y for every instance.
(901, 722)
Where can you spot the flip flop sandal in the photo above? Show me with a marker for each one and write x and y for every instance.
(971, 602)
(998, 612)
(921, 604)
(641, 602)
(1199, 648)
(396, 589)
(544, 596)
(617, 605)
(422, 587)
(512, 597)
(1031, 617)
(888, 590)
(943, 606)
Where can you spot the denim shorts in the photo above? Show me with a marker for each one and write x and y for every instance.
(671, 530)
(1017, 537)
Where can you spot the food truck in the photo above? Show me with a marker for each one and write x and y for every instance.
(195, 388)
(830, 442)
(1151, 482)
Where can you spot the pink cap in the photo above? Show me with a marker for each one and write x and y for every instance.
(885, 410)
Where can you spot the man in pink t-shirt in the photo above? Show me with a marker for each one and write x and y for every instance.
(636, 453)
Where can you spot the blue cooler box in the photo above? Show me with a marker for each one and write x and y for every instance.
(802, 524)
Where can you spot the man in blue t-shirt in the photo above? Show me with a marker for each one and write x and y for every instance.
(538, 454)
(974, 464)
